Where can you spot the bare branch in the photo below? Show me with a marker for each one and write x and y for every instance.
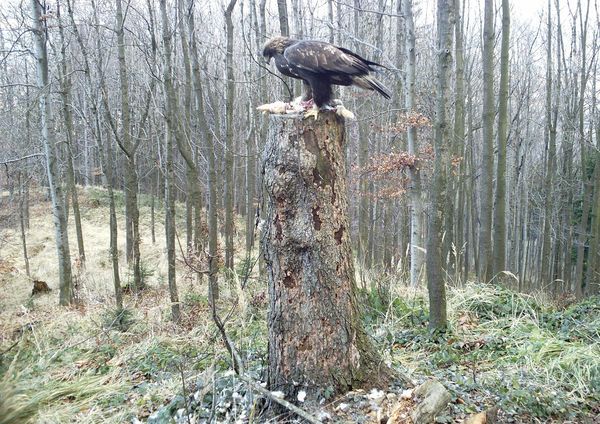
(33, 155)
(376, 12)
(293, 408)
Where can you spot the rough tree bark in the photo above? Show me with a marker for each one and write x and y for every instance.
(315, 336)
(436, 284)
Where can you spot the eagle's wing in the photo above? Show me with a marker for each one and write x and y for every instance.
(321, 57)
(368, 62)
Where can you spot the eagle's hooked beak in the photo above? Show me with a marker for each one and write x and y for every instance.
(267, 60)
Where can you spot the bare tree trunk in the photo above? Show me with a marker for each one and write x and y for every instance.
(582, 233)
(129, 148)
(257, 133)
(194, 218)
(364, 206)
(152, 209)
(213, 288)
(331, 21)
(417, 257)
(592, 280)
(65, 86)
(550, 136)
(461, 221)
(314, 316)
(435, 274)
(284, 29)
(230, 90)
(23, 182)
(487, 159)
(593, 274)
(284, 26)
(388, 234)
(365, 211)
(471, 238)
(499, 250)
(173, 131)
(106, 160)
(66, 295)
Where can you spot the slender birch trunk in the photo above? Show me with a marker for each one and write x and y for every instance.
(66, 295)
(417, 256)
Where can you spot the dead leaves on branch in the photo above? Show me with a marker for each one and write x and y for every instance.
(409, 120)
(392, 169)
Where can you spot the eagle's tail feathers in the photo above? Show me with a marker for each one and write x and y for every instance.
(369, 83)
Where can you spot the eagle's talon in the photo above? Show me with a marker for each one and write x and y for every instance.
(344, 113)
(314, 111)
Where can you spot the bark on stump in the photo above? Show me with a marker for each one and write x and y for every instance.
(316, 340)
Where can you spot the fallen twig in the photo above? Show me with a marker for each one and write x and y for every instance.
(290, 406)
(10, 348)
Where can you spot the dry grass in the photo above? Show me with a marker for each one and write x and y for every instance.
(63, 364)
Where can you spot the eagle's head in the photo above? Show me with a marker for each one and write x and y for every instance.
(275, 46)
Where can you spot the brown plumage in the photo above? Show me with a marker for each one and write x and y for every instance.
(320, 65)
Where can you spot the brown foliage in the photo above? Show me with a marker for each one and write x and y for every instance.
(408, 120)
(390, 168)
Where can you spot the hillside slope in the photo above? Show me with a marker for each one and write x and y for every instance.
(535, 361)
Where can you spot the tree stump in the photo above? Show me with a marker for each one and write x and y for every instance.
(39, 287)
(316, 341)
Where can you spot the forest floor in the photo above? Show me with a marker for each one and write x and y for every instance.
(535, 360)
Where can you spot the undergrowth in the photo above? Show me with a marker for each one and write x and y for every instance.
(502, 349)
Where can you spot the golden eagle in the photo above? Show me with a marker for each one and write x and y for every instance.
(320, 65)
